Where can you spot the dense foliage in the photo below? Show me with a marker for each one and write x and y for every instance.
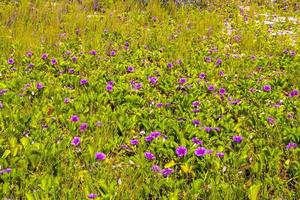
(149, 100)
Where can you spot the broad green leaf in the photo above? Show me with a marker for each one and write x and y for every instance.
(253, 191)
(6, 153)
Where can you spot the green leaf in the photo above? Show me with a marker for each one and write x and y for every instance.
(253, 191)
(29, 196)
(24, 142)
(6, 153)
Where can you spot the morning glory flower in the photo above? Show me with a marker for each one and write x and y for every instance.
(75, 141)
(83, 127)
(149, 156)
(181, 151)
(220, 154)
(39, 86)
(83, 81)
(200, 152)
(92, 196)
(166, 172)
(267, 88)
(134, 142)
(237, 139)
(222, 91)
(100, 156)
(74, 118)
(197, 141)
(291, 145)
(155, 168)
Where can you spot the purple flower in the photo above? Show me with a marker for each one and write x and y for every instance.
(75, 141)
(92, 196)
(209, 151)
(74, 118)
(8, 170)
(290, 116)
(179, 62)
(182, 81)
(39, 86)
(112, 53)
(1, 105)
(110, 83)
(202, 75)
(71, 71)
(170, 65)
(109, 88)
(267, 88)
(181, 151)
(207, 129)
(292, 53)
(252, 90)
(83, 81)
(83, 127)
(100, 156)
(155, 168)
(155, 134)
(98, 123)
(221, 73)
(53, 61)
(197, 141)
(217, 129)
(29, 54)
(195, 122)
(200, 152)
(218, 62)
(291, 145)
(66, 100)
(44, 56)
(220, 154)
(207, 59)
(68, 52)
(74, 58)
(270, 120)
(134, 142)
(132, 82)
(168, 104)
(222, 91)
(237, 138)
(210, 88)
(130, 69)
(137, 86)
(159, 105)
(195, 103)
(93, 52)
(195, 110)
(166, 172)
(124, 146)
(149, 138)
(149, 156)
(152, 80)
(10, 61)
(294, 93)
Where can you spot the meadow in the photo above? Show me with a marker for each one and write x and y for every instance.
(149, 99)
